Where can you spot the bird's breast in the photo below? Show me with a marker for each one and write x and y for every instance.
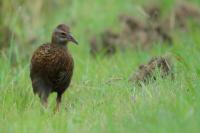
(51, 60)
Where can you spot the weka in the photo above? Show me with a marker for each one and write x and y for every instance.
(52, 66)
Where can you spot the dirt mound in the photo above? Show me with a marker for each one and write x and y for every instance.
(146, 72)
(154, 29)
(153, 12)
(146, 34)
(185, 11)
(106, 43)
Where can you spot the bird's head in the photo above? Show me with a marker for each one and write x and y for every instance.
(62, 35)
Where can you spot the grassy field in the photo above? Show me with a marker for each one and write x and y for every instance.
(91, 104)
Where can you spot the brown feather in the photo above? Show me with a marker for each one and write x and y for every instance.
(51, 70)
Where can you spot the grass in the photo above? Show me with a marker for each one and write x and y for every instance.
(91, 104)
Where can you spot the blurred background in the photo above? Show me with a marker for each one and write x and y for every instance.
(115, 37)
(25, 24)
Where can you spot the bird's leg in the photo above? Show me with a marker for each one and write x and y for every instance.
(43, 99)
(58, 101)
(44, 102)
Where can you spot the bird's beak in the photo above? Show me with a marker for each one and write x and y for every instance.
(71, 38)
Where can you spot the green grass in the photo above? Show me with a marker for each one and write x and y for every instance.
(91, 104)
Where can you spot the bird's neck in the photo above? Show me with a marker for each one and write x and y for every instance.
(63, 46)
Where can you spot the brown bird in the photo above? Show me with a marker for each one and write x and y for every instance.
(52, 66)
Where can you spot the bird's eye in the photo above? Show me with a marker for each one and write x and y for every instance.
(63, 34)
